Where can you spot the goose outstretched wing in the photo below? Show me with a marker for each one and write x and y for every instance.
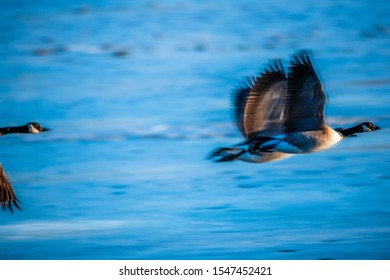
(305, 101)
(7, 195)
(259, 102)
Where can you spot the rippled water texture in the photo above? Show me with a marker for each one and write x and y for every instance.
(137, 94)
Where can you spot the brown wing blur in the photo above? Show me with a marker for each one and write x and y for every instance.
(7, 196)
(259, 103)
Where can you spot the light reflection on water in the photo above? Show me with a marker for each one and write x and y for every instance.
(136, 106)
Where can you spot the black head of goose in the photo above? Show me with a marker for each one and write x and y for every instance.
(8, 199)
(280, 115)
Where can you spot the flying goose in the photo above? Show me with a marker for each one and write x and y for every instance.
(281, 115)
(8, 198)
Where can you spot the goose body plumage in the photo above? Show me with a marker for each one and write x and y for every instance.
(282, 114)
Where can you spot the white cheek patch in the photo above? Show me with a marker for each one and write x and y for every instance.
(366, 129)
(32, 129)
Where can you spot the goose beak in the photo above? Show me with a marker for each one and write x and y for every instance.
(376, 128)
(45, 129)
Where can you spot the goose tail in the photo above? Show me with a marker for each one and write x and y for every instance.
(231, 154)
(226, 154)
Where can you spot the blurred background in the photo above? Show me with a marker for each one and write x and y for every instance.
(137, 94)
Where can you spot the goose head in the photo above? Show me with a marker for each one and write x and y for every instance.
(369, 127)
(363, 127)
(35, 128)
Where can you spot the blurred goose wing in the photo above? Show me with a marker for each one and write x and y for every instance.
(306, 99)
(259, 102)
(7, 195)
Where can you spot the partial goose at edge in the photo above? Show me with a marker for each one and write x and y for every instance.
(8, 198)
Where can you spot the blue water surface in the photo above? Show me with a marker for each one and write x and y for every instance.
(137, 94)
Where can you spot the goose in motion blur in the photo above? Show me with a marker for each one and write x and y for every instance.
(281, 115)
(8, 198)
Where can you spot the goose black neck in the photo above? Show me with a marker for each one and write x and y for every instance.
(350, 131)
(14, 129)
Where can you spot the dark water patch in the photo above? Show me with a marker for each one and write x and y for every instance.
(350, 175)
(309, 172)
(379, 214)
(118, 187)
(214, 208)
(243, 177)
(50, 206)
(63, 172)
(229, 231)
(235, 210)
(331, 241)
(82, 10)
(375, 31)
(367, 34)
(118, 193)
(249, 186)
(287, 251)
(243, 47)
(358, 185)
(325, 259)
(137, 151)
(200, 47)
(44, 51)
(278, 185)
(381, 28)
(121, 53)
(229, 172)
(339, 158)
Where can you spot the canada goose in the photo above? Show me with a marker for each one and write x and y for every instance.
(281, 115)
(8, 198)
